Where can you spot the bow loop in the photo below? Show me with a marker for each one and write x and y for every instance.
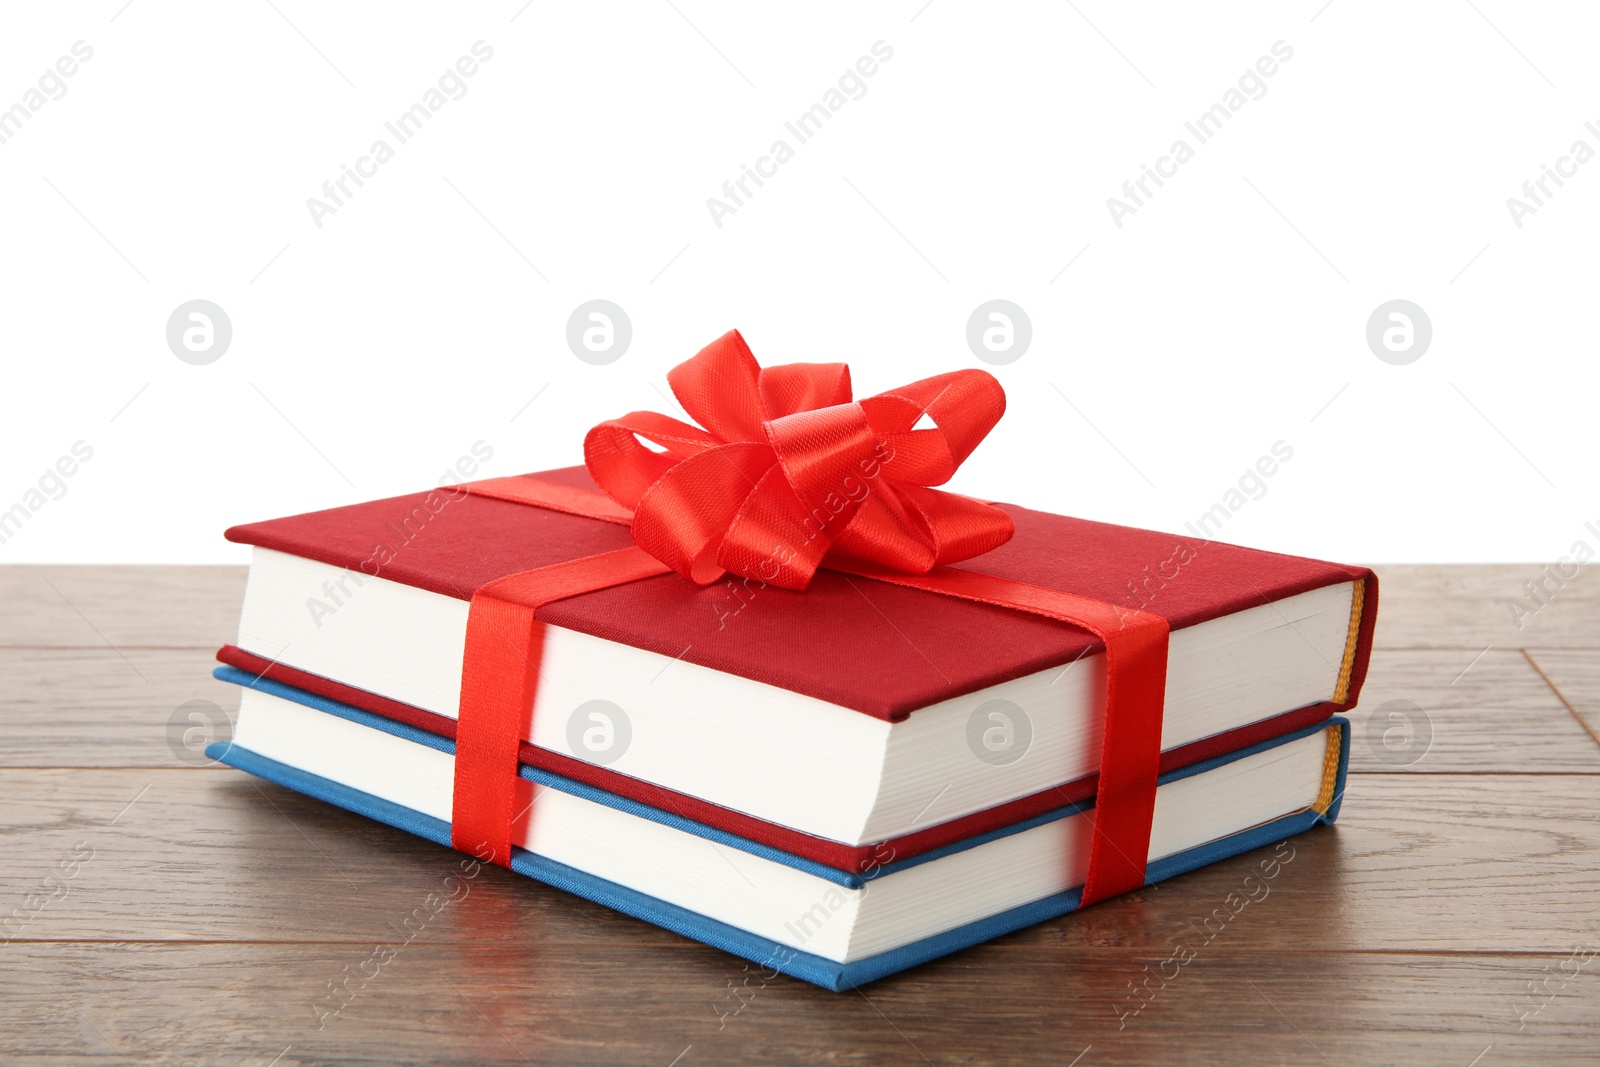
(963, 406)
(789, 469)
(796, 387)
(616, 447)
(720, 390)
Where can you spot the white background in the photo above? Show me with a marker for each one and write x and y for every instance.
(1227, 314)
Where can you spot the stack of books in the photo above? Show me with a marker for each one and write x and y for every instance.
(838, 783)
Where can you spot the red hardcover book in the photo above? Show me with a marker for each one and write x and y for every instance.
(822, 722)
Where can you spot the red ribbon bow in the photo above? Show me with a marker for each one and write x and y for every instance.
(789, 472)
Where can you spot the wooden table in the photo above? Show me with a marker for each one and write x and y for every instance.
(164, 910)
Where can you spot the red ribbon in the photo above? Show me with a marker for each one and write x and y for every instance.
(790, 474)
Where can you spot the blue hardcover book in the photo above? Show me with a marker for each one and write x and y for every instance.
(833, 927)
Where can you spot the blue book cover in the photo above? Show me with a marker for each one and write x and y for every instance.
(769, 952)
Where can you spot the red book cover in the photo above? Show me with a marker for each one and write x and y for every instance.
(881, 649)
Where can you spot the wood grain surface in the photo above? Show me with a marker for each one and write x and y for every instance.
(164, 909)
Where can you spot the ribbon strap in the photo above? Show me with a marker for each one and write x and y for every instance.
(1136, 684)
(500, 669)
(500, 681)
